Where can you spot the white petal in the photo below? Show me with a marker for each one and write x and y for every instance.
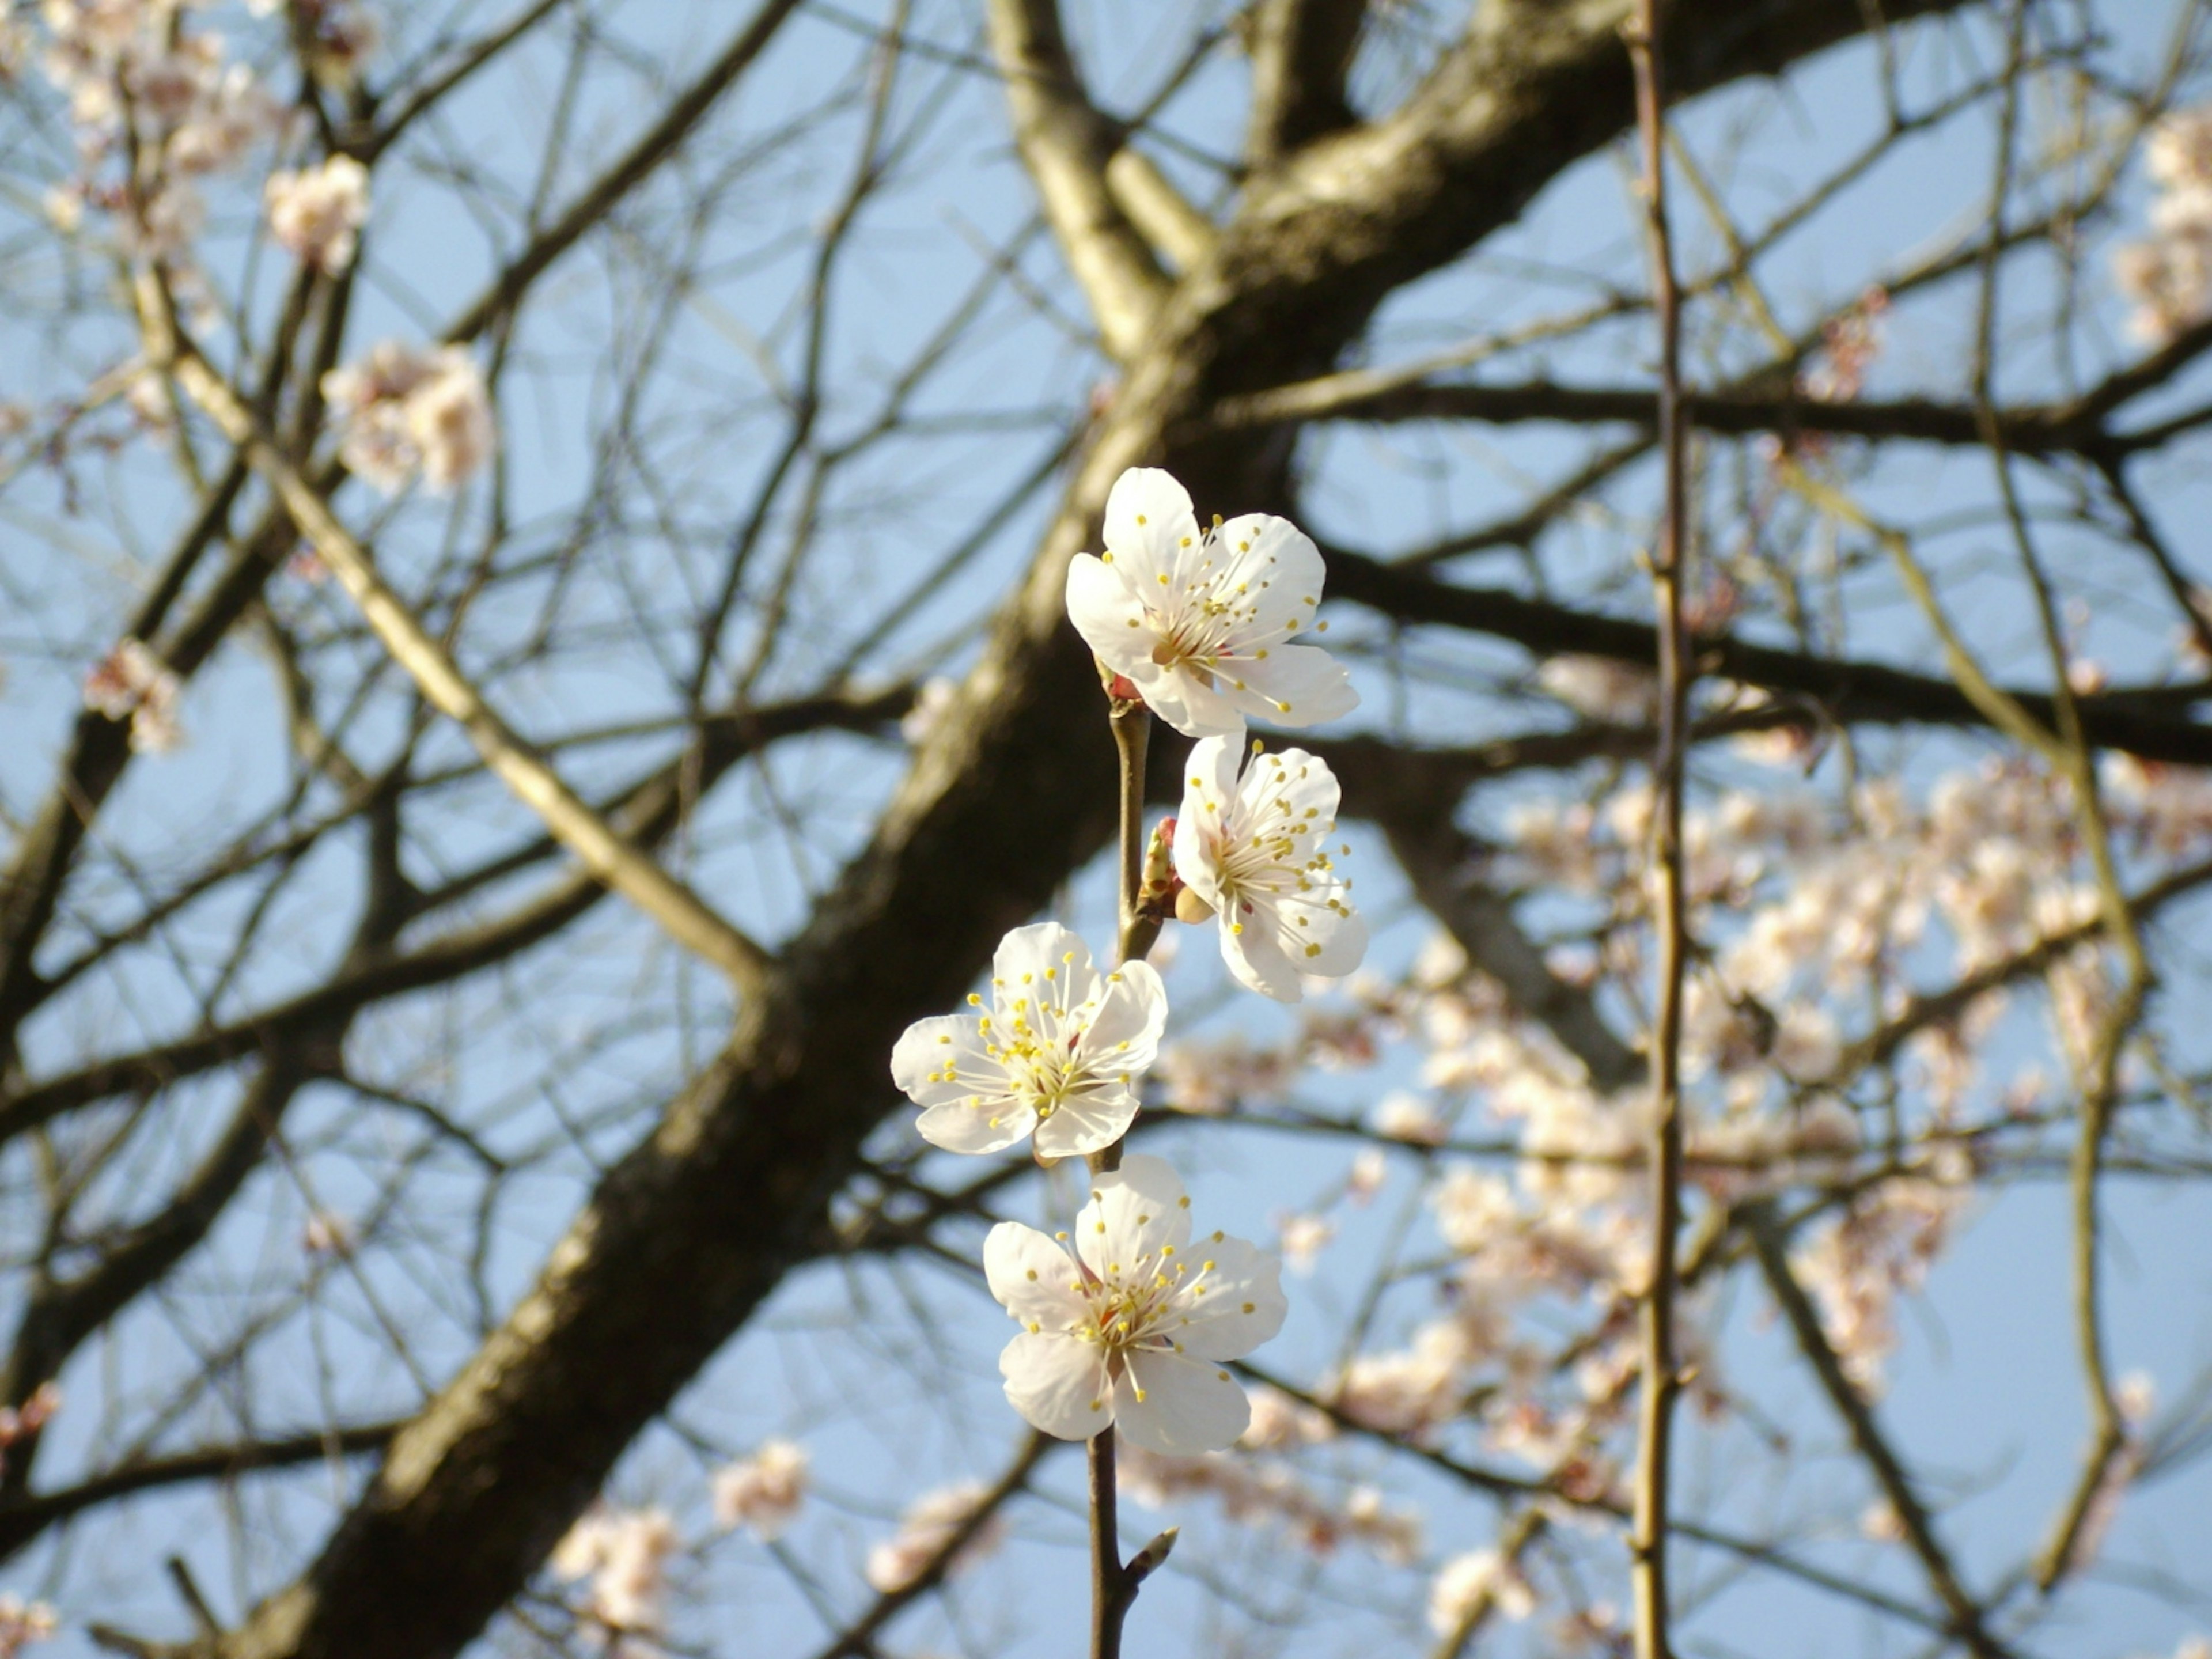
(1177, 698)
(1261, 547)
(1136, 1213)
(1059, 1384)
(1087, 1123)
(1189, 1406)
(1108, 615)
(1255, 956)
(1237, 1305)
(1025, 957)
(919, 1062)
(1306, 782)
(1125, 1033)
(1297, 686)
(1149, 528)
(1342, 948)
(1209, 795)
(990, 1124)
(1035, 1279)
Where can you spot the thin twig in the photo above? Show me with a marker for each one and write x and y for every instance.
(1648, 1546)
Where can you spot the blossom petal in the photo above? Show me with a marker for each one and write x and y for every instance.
(1256, 960)
(943, 1059)
(1295, 685)
(977, 1124)
(1149, 526)
(1034, 1278)
(1088, 1122)
(1132, 1015)
(1177, 696)
(1188, 1405)
(1137, 1214)
(1342, 948)
(1237, 1304)
(1058, 1384)
(1109, 615)
(1209, 794)
(1260, 547)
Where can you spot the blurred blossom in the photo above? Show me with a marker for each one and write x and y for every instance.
(930, 702)
(22, 1623)
(1408, 1117)
(926, 1530)
(623, 1552)
(1469, 1584)
(317, 213)
(1302, 1238)
(762, 1492)
(403, 412)
(130, 682)
(1602, 688)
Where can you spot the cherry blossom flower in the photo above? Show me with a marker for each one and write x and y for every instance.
(1468, 1585)
(925, 1531)
(405, 411)
(1250, 842)
(1198, 622)
(1060, 1051)
(623, 1552)
(130, 682)
(762, 1492)
(1254, 1495)
(1132, 1332)
(318, 212)
(22, 1623)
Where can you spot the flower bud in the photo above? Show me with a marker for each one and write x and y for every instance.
(1192, 908)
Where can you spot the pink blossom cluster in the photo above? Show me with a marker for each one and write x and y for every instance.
(141, 82)
(403, 412)
(132, 683)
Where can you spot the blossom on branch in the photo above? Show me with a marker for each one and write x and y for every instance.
(1059, 1052)
(1132, 1331)
(927, 1531)
(405, 411)
(1250, 842)
(317, 213)
(762, 1492)
(1198, 621)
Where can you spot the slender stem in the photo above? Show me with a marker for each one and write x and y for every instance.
(1649, 1534)
(1110, 1590)
(1133, 732)
(1113, 1585)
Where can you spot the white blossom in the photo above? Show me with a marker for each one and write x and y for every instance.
(1060, 1051)
(1199, 621)
(1132, 1331)
(317, 213)
(1467, 1583)
(762, 1492)
(623, 1552)
(405, 411)
(1250, 842)
(22, 1623)
(925, 1531)
(131, 683)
